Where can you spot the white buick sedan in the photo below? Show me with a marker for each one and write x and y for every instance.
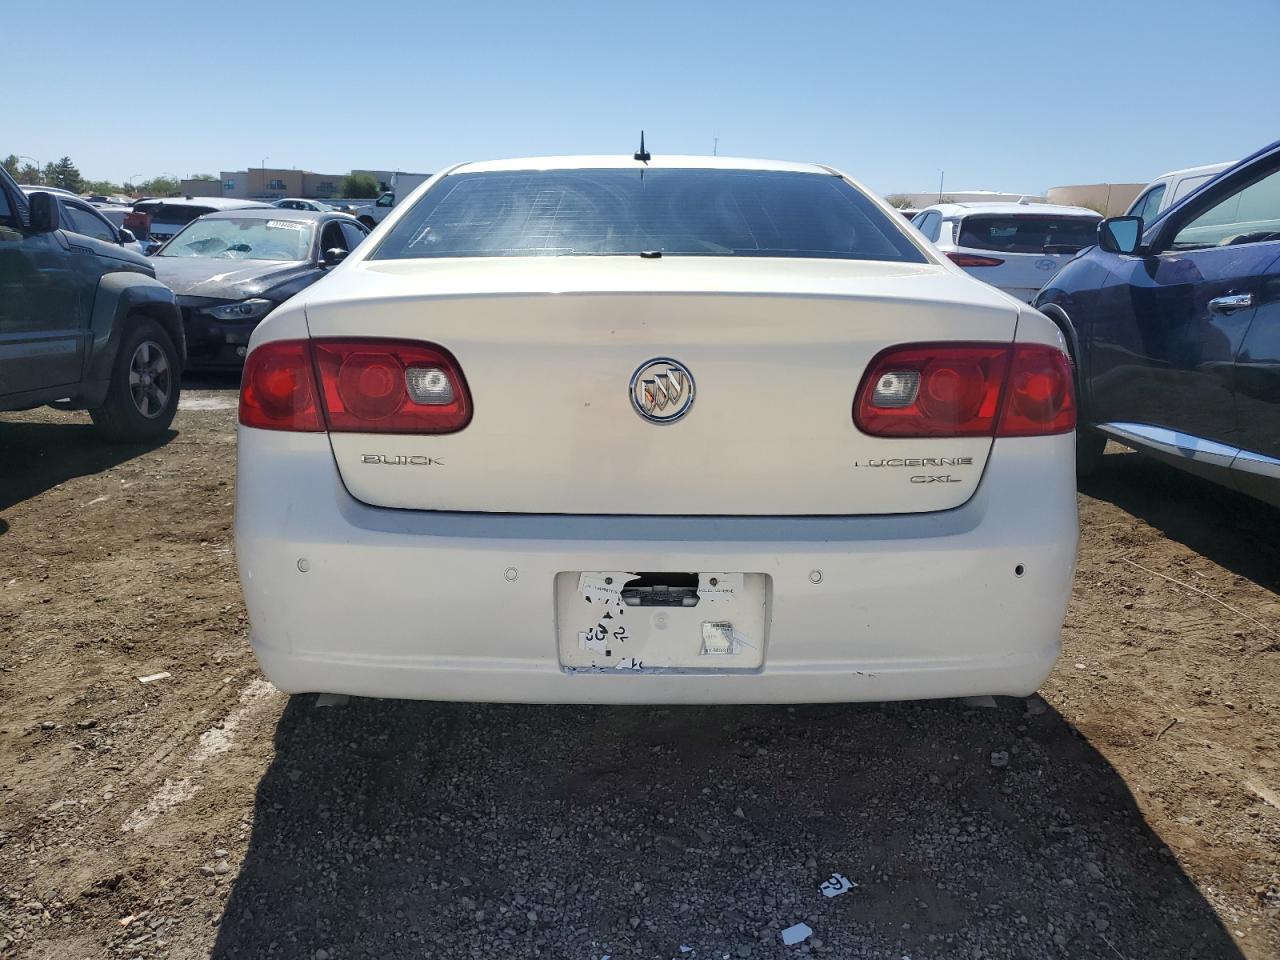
(691, 430)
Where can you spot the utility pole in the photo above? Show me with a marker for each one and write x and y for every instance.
(942, 175)
(715, 146)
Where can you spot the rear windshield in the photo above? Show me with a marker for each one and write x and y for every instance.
(172, 212)
(706, 213)
(1028, 234)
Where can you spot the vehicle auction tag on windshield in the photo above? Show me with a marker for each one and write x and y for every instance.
(605, 587)
(285, 225)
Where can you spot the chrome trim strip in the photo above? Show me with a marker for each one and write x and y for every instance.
(1250, 461)
(1172, 442)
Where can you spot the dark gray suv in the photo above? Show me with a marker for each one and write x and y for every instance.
(84, 324)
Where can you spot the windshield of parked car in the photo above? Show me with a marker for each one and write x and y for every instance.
(754, 213)
(1028, 234)
(242, 238)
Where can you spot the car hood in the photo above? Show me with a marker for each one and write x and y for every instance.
(225, 279)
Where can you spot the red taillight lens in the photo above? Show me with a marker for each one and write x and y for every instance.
(966, 390)
(390, 386)
(932, 390)
(354, 386)
(1041, 393)
(972, 260)
(278, 388)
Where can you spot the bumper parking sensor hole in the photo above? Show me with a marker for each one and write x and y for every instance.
(815, 576)
(511, 573)
(303, 564)
(1019, 570)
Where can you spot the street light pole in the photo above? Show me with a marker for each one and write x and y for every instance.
(942, 175)
(34, 162)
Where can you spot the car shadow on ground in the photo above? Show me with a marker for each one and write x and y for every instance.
(1235, 531)
(37, 456)
(407, 829)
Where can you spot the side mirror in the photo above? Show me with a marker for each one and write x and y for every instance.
(1120, 234)
(334, 256)
(126, 236)
(46, 215)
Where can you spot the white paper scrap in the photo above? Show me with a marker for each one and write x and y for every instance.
(151, 678)
(628, 663)
(837, 885)
(795, 934)
(604, 587)
(719, 586)
(590, 640)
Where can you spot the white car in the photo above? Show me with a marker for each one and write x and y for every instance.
(698, 430)
(1167, 189)
(1014, 246)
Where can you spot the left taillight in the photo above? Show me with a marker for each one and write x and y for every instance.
(278, 388)
(354, 386)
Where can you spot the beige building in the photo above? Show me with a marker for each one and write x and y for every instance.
(267, 183)
(1109, 199)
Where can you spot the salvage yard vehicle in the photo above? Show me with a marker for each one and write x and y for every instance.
(685, 429)
(1168, 188)
(1013, 246)
(84, 324)
(80, 216)
(155, 220)
(1175, 331)
(231, 269)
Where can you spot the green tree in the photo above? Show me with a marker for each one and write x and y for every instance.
(104, 187)
(12, 164)
(358, 185)
(64, 174)
(899, 201)
(202, 176)
(158, 187)
(29, 173)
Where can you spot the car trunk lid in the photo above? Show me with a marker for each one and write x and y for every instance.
(775, 350)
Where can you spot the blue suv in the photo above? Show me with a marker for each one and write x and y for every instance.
(1174, 328)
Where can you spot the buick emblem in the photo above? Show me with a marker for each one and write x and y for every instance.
(662, 390)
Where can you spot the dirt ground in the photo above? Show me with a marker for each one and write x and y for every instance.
(1134, 812)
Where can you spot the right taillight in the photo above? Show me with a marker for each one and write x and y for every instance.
(966, 390)
(354, 386)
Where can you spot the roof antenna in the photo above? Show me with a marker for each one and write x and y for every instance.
(642, 154)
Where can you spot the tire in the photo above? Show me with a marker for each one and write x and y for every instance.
(1089, 447)
(145, 382)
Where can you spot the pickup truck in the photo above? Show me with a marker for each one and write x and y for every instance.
(402, 185)
(84, 324)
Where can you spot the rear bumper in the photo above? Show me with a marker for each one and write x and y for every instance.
(454, 606)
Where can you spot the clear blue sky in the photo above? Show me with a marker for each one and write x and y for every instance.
(1003, 95)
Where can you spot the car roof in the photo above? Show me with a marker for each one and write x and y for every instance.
(1195, 171)
(28, 188)
(268, 212)
(627, 162)
(1012, 209)
(214, 203)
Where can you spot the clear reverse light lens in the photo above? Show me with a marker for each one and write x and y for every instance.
(428, 385)
(896, 388)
